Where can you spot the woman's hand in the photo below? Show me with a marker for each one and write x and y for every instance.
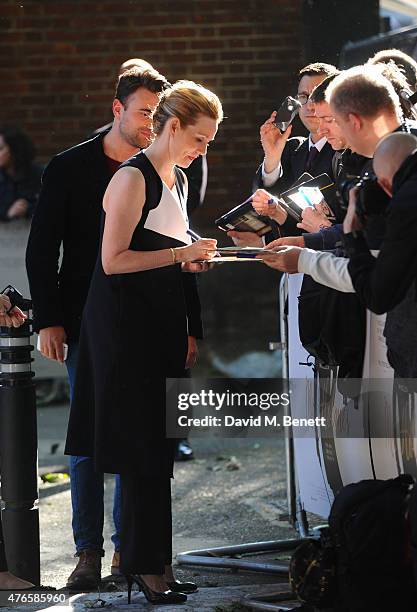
(265, 204)
(201, 250)
(200, 266)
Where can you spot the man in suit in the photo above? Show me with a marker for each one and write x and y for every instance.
(68, 214)
(287, 158)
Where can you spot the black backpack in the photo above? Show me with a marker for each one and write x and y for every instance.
(369, 541)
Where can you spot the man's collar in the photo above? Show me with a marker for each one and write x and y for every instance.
(319, 144)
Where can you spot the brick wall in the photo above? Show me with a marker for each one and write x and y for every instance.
(58, 61)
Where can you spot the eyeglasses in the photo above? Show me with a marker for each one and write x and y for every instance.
(302, 98)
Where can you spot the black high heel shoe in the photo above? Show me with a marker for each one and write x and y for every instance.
(182, 587)
(154, 597)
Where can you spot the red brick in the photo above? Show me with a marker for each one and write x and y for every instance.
(61, 87)
(207, 43)
(236, 31)
(178, 32)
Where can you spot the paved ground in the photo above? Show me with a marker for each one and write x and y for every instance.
(232, 493)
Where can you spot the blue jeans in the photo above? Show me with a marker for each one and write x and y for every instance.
(87, 490)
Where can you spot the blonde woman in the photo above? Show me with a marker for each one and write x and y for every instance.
(135, 332)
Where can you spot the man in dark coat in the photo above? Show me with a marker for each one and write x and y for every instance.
(388, 283)
(68, 214)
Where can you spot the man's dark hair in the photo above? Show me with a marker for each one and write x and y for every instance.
(317, 69)
(319, 93)
(405, 62)
(136, 77)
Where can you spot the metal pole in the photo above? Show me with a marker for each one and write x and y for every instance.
(18, 451)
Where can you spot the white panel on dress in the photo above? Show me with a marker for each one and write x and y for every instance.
(169, 218)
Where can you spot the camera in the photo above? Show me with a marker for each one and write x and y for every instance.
(15, 297)
(286, 113)
(371, 201)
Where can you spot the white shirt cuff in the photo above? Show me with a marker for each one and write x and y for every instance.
(270, 178)
(326, 269)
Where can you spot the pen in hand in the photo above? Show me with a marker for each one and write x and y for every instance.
(193, 235)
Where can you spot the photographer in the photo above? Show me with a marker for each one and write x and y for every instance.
(366, 108)
(387, 284)
(383, 282)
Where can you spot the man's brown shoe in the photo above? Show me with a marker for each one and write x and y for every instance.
(87, 573)
(115, 569)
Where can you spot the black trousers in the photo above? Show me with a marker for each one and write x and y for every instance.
(146, 529)
(3, 562)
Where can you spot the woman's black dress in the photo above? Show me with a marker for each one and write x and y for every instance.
(133, 336)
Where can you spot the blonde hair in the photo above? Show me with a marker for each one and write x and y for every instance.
(186, 100)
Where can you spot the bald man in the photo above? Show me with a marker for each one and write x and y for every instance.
(390, 154)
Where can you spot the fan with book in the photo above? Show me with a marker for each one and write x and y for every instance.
(316, 192)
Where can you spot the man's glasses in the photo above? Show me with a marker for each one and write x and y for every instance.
(302, 98)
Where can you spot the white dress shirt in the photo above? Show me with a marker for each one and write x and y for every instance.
(270, 178)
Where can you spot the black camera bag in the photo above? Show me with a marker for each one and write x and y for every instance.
(370, 532)
(312, 572)
(332, 327)
(362, 561)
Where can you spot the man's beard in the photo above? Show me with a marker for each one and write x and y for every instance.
(135, 140)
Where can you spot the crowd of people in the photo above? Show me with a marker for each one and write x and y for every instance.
(365, 114)
(118, 205)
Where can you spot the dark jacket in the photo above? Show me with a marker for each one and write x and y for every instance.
(68, 213)
(293, 164)
(382, 283)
